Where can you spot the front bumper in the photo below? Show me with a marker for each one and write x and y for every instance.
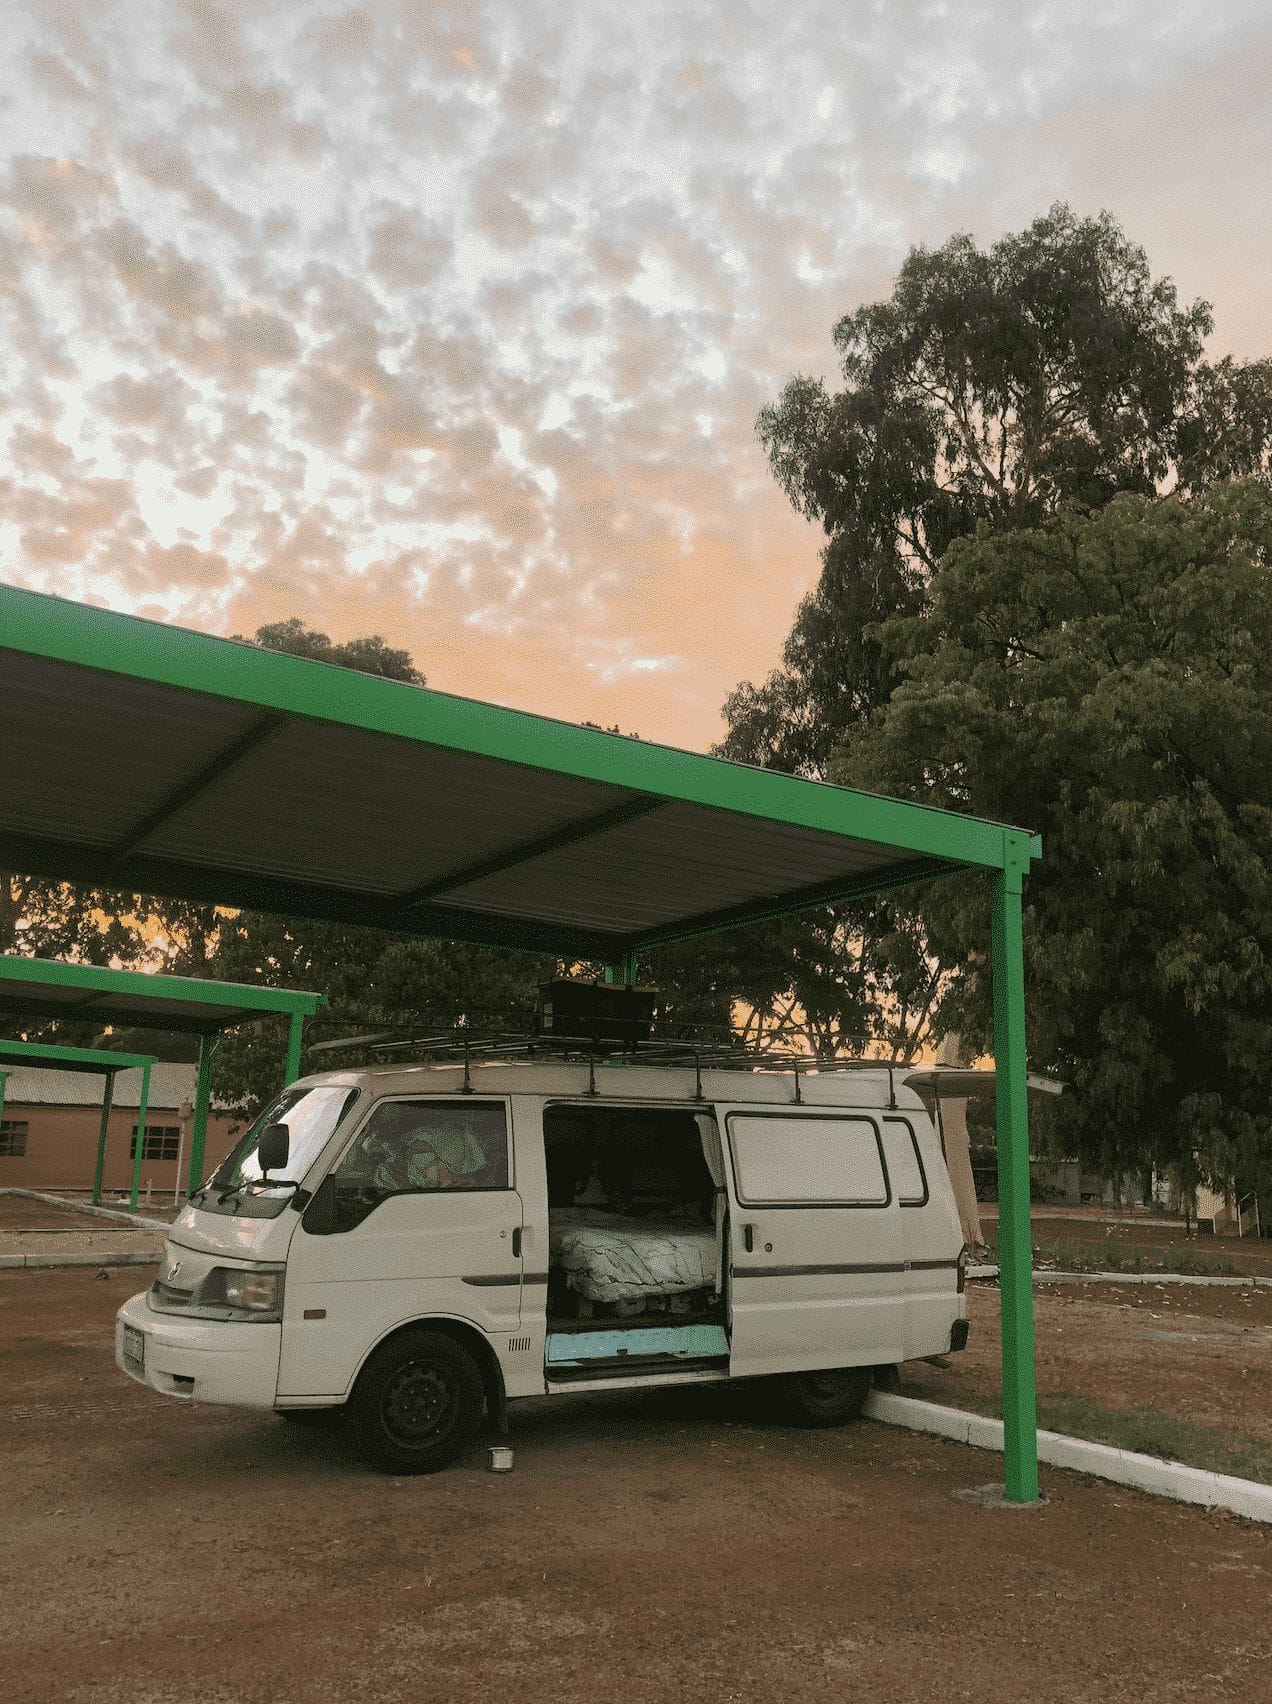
(201, 1360)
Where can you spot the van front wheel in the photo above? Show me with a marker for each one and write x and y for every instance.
(830, 1398)
(417, 1404)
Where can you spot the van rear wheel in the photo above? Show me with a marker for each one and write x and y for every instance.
(417, 1404)
(829, 1398)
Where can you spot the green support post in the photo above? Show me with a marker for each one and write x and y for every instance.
(295, 1033)
(202, 1101)
(108, 1095)
(1015, 1245)
(141, 1136)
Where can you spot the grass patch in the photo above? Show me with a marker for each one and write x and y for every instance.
(1148, 1431)
(1197, 1265)
(1114, 1256)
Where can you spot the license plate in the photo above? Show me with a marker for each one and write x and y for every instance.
(134, 1347)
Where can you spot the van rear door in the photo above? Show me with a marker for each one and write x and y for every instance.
(817, 1271)
(931, 1237)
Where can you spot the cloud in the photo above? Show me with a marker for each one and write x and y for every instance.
(452, 320)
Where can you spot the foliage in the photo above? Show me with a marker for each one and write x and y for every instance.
(1106, 680)
(993, 387)
(376, 984)
(368, 655)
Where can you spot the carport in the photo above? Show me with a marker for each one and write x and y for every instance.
(101, 1062)
(145, 757)
(40, 989)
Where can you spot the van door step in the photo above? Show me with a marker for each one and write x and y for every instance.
(632, 1366)
(594, 1354)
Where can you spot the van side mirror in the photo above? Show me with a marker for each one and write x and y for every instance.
(273, 1147)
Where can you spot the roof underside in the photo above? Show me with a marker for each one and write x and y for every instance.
(36, 988)
(157, 760)
(98, 1060)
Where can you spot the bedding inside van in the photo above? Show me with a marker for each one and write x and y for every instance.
(628, 1262)
(634, 1213)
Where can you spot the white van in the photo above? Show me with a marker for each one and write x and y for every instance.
(411, 1249)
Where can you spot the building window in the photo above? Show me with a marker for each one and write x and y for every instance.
(160, 1143)
(13, 1135)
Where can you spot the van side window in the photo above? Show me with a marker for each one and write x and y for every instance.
(781, 1158)
(408, 1146)
(905, 1167)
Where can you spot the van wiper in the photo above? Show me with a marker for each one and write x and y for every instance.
(256, 1183)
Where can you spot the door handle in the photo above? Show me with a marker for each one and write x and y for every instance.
(748, 1238)
(516, 1243)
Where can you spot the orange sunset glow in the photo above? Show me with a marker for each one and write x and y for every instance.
(452, 321)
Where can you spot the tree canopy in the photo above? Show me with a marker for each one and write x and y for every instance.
(993, 387)
(1106, 679)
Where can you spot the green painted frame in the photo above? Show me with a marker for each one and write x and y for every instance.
(227, 1003)
(935, 842)
(103, 1063)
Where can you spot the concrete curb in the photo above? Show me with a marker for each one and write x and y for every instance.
(87, 1207)
(1243, 1281)
(12, 1262)
(1123, 1467)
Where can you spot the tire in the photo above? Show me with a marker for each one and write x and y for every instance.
(829, 1398)
(313, 1419)
(418, 1403)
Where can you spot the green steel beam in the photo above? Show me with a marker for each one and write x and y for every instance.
(103, 1131)
(141, 1136)
(1015, 1245)
(221, 765)
(295, 1036)
(52, 1054)
(202, 1102)
(239, 999)
(92, 638)
(586, 828)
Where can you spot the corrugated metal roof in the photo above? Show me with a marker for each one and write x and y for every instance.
(151, 758)
(28, 1086)
(40, 988)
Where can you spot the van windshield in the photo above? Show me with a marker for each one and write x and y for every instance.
(311, 1116)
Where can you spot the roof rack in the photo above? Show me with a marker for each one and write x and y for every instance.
(699, 1047)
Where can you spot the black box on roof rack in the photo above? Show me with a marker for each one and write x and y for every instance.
(603, 1013)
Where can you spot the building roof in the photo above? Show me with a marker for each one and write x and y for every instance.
(146, 757)
(31, 1086)
(45, 988)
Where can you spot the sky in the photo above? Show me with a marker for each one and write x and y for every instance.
(451, 321)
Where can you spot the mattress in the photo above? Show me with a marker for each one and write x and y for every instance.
(627, 1263)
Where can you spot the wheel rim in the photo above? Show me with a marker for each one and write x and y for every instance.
(827, 1387)
(419, 1405)
(829, 1392)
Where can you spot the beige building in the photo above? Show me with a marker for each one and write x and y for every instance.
(51, 1121)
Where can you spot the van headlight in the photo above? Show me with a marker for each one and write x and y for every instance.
(243, 1292)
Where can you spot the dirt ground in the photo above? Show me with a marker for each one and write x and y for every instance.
(660, 1547)
(1200, 1352)
(1146, 1235)
(21, 1213)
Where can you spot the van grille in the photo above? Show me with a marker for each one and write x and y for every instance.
(519, 1345)
(169, 1297)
